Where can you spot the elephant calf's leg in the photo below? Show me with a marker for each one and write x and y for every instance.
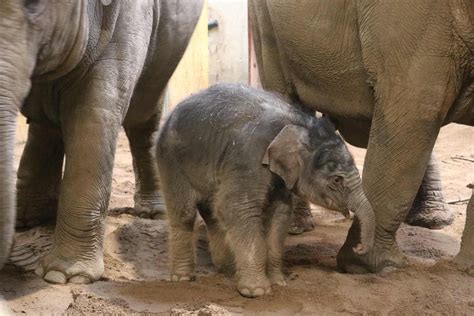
(222, 256)
(276, 235)
(181, 201)
(241, 216)
(429, 208)
(303, 219)
(148, 200)
(39, 176)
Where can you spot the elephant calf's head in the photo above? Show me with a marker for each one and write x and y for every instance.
(317, 166)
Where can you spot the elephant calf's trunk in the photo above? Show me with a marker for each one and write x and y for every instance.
(365, 214)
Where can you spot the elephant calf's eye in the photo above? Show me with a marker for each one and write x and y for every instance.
(336, 182)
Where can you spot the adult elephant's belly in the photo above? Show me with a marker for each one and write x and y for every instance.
(344, 98)
(320, 51)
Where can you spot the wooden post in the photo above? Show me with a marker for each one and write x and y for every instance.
(21, 130)
(191, 75)
(228, 42)
(254, 78)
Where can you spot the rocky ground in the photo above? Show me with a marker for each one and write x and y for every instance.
(136, 263)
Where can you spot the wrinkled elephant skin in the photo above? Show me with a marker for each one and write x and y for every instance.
(78, 70)
(390, 74)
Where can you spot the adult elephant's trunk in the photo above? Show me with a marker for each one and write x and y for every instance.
(7, 176)
(362, 209)
(18, 55)
(14, 86)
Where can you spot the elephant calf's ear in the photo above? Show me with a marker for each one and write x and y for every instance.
(284, 155)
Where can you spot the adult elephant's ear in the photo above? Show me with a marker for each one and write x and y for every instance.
(284, 155)
(106, 2)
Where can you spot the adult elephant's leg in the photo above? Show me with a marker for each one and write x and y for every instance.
(90, 140)
(429, 208)
(404, 129)
(391, 182)
(414, 90)
(465, 258)
(39, 176)
(148, 200)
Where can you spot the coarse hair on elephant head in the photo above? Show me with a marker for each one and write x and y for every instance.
(317, 166)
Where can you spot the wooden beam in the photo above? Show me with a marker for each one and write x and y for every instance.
(191, 75)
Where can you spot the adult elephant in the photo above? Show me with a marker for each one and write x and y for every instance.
(390, 74)
(78, 70)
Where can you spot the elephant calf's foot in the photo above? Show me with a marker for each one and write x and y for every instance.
(374, 261)
(183, 272)
(254, 286)
(465, 264)
(430, 214)
(182, 278)
(32, 212)
(61, 271)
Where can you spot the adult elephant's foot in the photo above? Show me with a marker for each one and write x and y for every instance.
(432, 213)
(378, 258)
(60, 270)
(147, 206)
(33, 212)
(302, 218)
(374, 261)
(429, 209)
(150, 207)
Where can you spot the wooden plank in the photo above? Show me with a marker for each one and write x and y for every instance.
(254, 78)
(191, 75)
(21, 129)
(228, 42)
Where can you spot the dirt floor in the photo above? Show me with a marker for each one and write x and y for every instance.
(136, 263)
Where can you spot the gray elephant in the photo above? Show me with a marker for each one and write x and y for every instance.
(389, 74)
(78, 70)
(238, 155)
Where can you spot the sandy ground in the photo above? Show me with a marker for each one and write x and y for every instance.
(136, 264)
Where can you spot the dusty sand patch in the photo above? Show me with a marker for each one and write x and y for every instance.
(136, 264)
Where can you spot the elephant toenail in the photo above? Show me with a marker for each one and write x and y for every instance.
(245, 292)
(39, 271)
(55, 277)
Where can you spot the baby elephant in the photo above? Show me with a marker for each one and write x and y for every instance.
(237, 155)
